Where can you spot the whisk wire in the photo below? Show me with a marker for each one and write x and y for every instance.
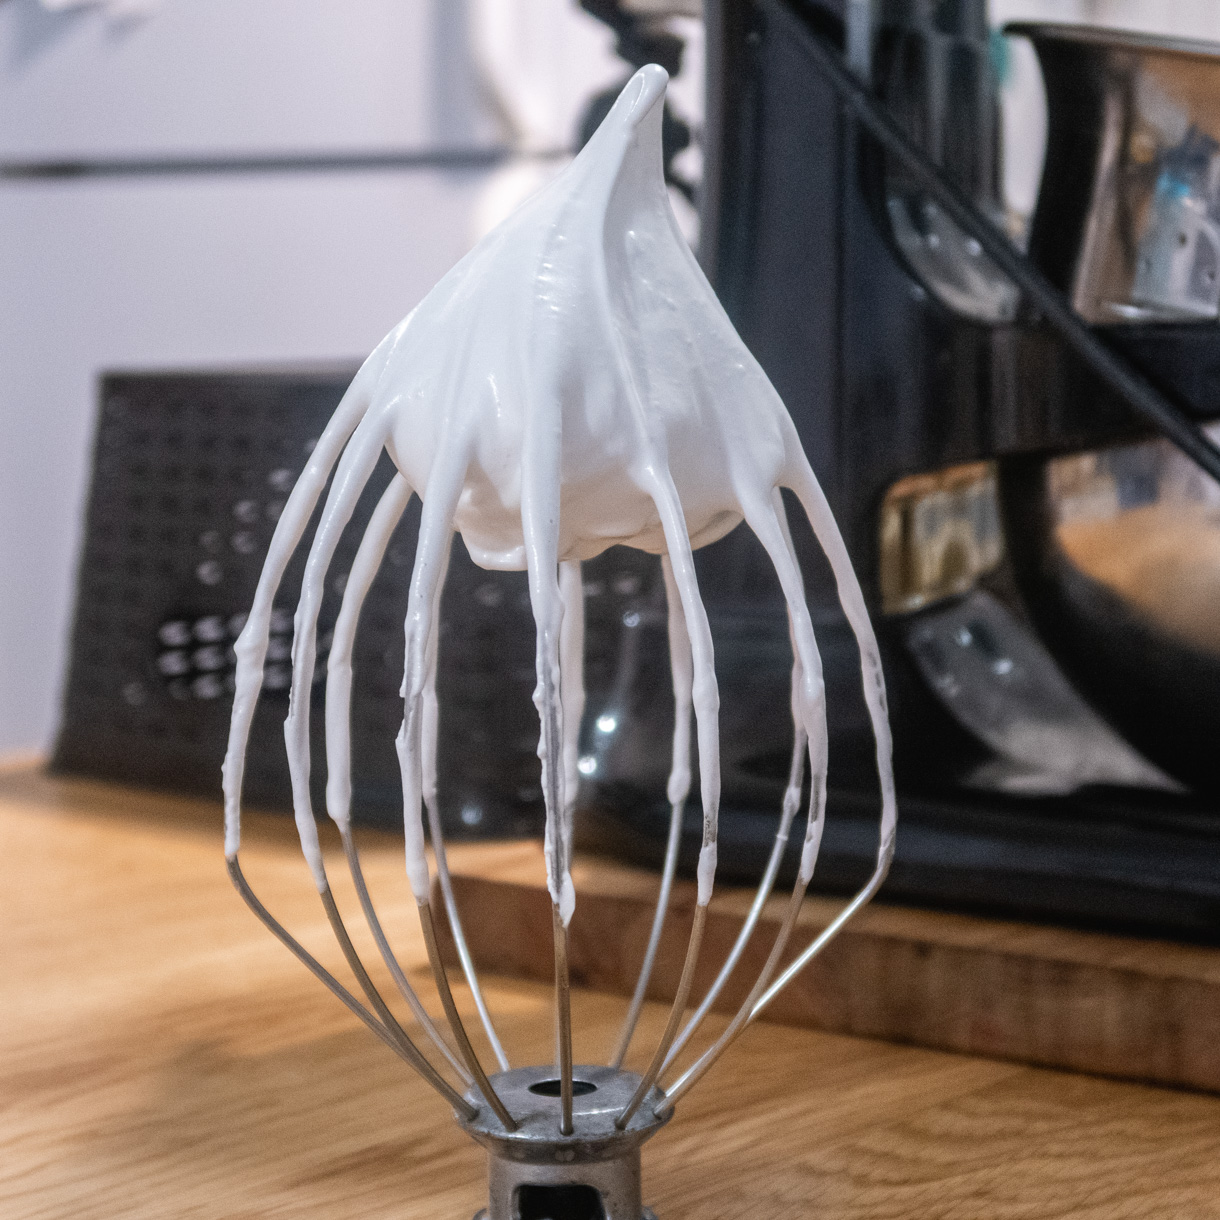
(701, 1066)
(654, 935)
(769, 524)
(791, 803)
(792, 798)
(429, 740)
(563, 1020)
(675, 1019)
(862, 898)
(458, 934)
(776, 537)
(677, 790)
(365, 566)
(441, 976)
(405, 989)
(682, 581)
(405, 1049)
(357, 967)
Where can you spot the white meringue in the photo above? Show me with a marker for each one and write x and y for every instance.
(571, 384)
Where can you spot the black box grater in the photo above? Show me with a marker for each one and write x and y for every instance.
(190, 473)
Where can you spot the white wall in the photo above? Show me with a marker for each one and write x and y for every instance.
(218, 271)
(238, 76)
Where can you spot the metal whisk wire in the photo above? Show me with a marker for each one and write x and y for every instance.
(558, 752)
(368, 560)
(465, 1064)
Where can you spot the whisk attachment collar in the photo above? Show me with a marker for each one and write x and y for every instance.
(598, 1156)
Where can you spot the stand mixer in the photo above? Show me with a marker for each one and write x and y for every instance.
(1015, 443)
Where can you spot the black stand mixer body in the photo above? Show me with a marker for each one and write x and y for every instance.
(805, 236)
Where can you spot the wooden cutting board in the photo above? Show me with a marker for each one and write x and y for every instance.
(1118, 1006)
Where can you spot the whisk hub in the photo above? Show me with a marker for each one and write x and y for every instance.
(592, 1174)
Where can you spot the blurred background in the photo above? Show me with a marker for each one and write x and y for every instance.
(230, 183)
(219, 184)
(212, 210)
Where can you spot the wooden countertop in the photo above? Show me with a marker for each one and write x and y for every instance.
(162, 1056)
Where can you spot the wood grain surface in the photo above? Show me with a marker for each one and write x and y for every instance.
(162, 1057)
(1115, 1005)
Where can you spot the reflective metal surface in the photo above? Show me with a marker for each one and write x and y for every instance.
(939, 533)
(1000, 684)
(1133, 154)
(934, 69)
(1143, 522)
(592, 1174)
(1118, 551)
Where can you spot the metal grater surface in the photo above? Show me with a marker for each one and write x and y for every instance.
(191, 471)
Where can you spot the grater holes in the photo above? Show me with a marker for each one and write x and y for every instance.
(163, 498)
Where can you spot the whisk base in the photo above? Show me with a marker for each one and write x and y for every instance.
(535, 1173)
(482, 1214)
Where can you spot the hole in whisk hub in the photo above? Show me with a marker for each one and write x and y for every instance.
(574, 1202)
(551, 1088)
